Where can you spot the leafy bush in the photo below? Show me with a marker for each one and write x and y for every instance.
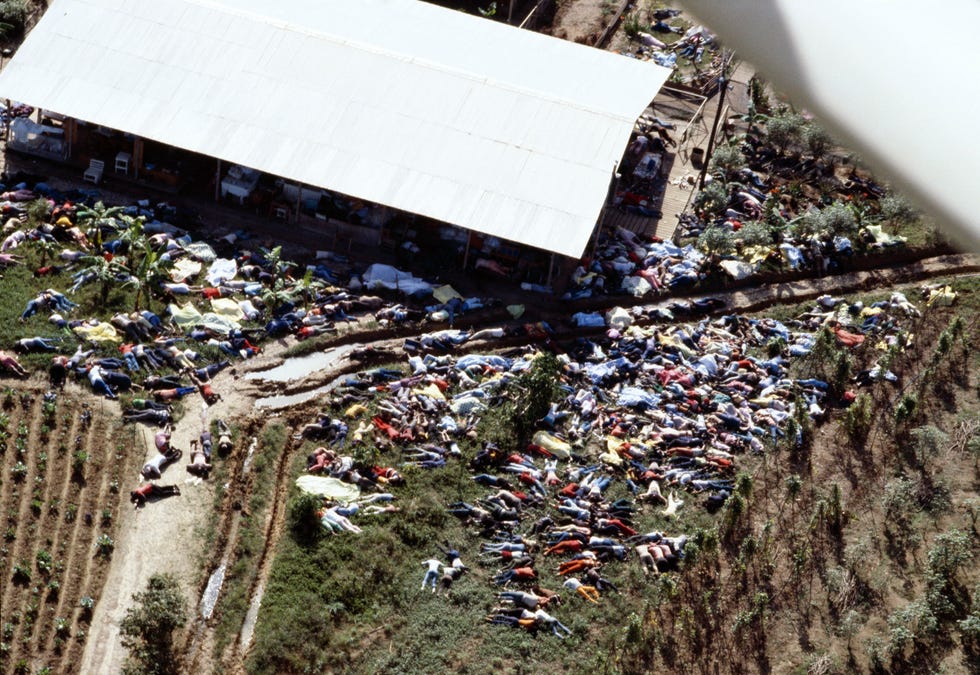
(78, 461)
(304, 518)
(148, 626)
(858, 418)
(44, 562)
(906, 408)
(775, 346)
(838, 220)
(105, 545)
(632, 25)
(949, 553)
(716, 241)
(712, 199)
(897, 209)
(785, 131)
(834, 220)
(728, 159)
(22, 572)
(970, 626)
(913, 622)
(816, 139)
(15, 13)
(755, 234)
(927, 441)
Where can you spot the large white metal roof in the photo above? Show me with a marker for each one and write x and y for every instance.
(399, 102)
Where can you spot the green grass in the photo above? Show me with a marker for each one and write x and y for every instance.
(352, 603)
(234, 601)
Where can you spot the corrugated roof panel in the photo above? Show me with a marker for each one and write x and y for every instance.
(396, 101)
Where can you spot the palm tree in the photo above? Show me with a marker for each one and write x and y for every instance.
(279, 267)
(278, 294)
(150, 272)
(105, 272)
(306, 287)
(99, 216)
(136, 242)
(38, 212)
(46, 247)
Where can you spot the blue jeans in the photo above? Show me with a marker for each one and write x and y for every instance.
(558, 625)
(100, 387)
(430, 578)
(131, 361)
(30, 310)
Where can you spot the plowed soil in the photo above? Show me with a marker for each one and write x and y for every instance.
(68, 497)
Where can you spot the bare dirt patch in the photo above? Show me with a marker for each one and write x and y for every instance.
(583, 20)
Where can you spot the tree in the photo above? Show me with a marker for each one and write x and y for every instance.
(896, 209)
(280, 291)
(306, 287)
(276, 264)
(539, 386)
(98, 216)
(148, 627)
(728, 159)
(46, 248)
(13, 16)
(304, 516)
(150, 272)
(816, 139)
(38, 212)
(106, 272)
(785, 131)
(136, 243)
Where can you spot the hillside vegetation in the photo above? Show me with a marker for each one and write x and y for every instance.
(851, 551)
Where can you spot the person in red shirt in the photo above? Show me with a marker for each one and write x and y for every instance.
(569, 545)
(140, 495)
(518, 573)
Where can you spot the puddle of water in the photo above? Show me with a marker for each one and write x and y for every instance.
(210, 595)
(248, 457)
(284, 401)
(248, 627)
(299, 367)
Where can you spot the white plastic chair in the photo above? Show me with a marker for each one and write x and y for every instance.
(93, 174)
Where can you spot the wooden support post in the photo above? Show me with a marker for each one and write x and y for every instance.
(466, 251)
(551, 269)
(217, 182)
(137, 156)
(610, 196)
(69, 127)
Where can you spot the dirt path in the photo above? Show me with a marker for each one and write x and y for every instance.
(164, 536)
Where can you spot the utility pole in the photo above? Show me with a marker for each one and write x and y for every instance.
(723, 84)
(723, 87)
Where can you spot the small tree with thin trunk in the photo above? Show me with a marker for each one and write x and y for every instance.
(148, 627)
